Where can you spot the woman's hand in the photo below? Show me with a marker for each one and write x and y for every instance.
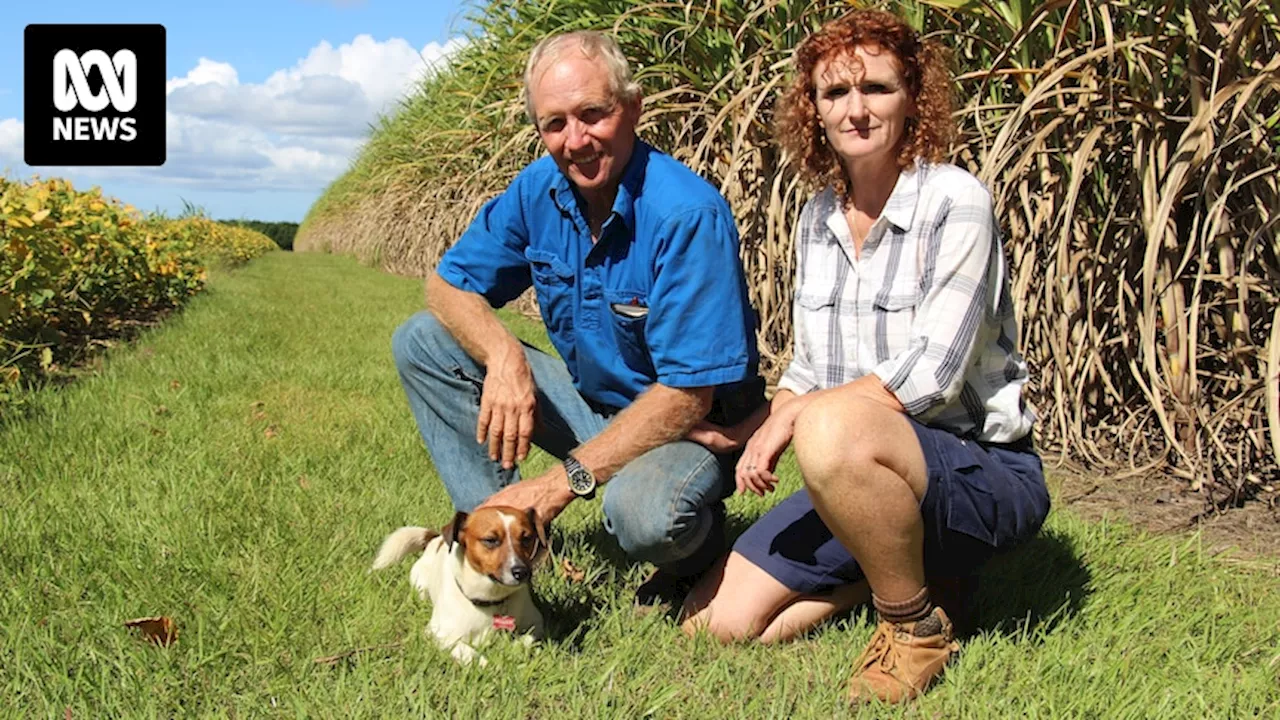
(760, 458)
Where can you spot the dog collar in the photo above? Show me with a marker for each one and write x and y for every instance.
(477, 603)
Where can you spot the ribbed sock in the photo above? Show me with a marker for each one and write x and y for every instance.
(913, 608)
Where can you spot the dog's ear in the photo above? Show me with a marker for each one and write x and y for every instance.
(453, 530)
(540, 528)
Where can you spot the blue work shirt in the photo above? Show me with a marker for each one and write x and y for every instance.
(660, 297)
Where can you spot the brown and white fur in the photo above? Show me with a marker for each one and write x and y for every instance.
(485, 557)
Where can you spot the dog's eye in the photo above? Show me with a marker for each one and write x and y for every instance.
(490, 542)
(526, 541)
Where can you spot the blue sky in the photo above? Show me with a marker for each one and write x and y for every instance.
(268, 101)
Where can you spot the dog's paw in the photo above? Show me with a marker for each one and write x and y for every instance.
(466, 655)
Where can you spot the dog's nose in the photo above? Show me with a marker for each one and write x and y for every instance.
(520, 573)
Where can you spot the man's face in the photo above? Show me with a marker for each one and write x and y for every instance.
(585, 128)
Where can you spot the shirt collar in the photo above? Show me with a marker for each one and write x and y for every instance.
(901, 206)
(899, 209)
(629, 187)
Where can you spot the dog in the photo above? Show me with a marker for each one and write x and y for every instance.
(476, 572)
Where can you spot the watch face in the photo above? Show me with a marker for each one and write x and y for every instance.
(581, 481)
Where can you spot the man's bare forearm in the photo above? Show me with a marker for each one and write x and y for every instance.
(470, 320)
(659, 416)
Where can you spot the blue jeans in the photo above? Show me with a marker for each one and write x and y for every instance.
(665, 507)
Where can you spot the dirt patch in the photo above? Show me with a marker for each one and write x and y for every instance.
(1162, 505)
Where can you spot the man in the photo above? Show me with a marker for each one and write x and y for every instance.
(634, 260)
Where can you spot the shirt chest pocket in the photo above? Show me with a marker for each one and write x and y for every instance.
(628, 314)
(817, 321)
(553, 283)
(900, 295)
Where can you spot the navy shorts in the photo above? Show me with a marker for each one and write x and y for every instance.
(982, 498)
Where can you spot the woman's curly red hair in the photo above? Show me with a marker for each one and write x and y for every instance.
(923, 66)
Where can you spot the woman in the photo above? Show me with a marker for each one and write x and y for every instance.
(903, 400)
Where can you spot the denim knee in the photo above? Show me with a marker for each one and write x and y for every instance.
(419, 341)
(654, 526)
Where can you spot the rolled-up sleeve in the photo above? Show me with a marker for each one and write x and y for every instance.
(489, 258)
(700, 323)
(930, 372)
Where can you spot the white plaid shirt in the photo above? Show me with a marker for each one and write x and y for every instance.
(925, 307)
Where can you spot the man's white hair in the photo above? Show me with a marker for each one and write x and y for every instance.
(592, 45)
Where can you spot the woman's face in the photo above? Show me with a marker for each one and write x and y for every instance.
(863, 104)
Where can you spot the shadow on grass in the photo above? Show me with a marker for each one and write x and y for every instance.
(1027, 591)
(1033, 588)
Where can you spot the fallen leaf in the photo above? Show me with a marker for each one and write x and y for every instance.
(156, 431)
(159, 629)
(270, 432)
(303, 482)
(259, 415)
(571, 571)
(162, 410)
(175, 385)
(67, 713)
(257, 404)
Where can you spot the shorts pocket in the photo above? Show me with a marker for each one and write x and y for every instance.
(972, 508)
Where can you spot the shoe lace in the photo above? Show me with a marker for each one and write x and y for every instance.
(881, 650)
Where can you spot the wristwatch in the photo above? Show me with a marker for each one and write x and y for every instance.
(581, 481)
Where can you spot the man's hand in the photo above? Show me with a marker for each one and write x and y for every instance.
(720, 439)
(507, 406)
(548, 494)
(716, 438)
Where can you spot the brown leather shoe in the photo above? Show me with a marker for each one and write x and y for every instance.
(903, 659)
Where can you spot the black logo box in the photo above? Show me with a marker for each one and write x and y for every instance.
(41, 43)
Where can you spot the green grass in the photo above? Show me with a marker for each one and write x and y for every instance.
(152, 488)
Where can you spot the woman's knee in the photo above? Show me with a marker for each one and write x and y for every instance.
(734, 601)
(832, 442)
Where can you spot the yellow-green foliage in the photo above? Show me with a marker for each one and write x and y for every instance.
(77, 267)
(221, 244)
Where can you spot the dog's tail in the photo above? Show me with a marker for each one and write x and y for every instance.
(400, 543)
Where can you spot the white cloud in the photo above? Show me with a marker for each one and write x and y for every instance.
(297, 130)
(206, 72)
(10, 142)
(333, 91)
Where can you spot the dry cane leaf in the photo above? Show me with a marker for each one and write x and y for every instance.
(270, 432)
(259, 415)
(159, 629)
(303, 482)
(175, 385)
(571, 571)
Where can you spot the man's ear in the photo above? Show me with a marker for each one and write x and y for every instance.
(541, 529)
(635, 106)
(453, 530)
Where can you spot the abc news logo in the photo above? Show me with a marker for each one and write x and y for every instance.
(94, 95)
